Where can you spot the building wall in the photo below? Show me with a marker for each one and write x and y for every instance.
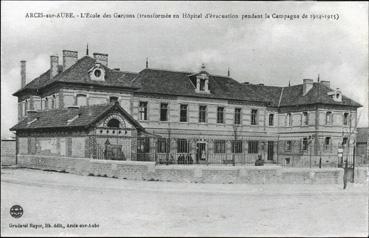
(195, 131)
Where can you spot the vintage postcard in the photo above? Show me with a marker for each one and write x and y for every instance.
(185, 118)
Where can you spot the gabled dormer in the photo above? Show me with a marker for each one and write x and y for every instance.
(201, 81)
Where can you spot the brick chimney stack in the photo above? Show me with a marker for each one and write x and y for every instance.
(101, 58)
(23, 73)
(54, 65)
(326, 83)
(307, 85)
(69, 58)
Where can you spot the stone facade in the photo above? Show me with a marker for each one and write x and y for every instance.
(278, 134)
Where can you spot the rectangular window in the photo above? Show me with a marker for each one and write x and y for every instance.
(345, 118)
(305, 143)
(183, 113)
(328, 118)
(202, 84)
(163, 145)
(143, 145)
(220, 115)
(344, 141)
(253, 147)
(219, 146)
(288, 145)
(202, 114)
(254, 115)
(182, 146)
(143, 111)
(53, 99)
(289, 119)
(46, 106)
(327, 142)
(237, 146)
(271, 119)
(237, 116)
(305, 119)
(164, 112)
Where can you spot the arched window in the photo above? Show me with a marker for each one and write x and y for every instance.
(113, 123)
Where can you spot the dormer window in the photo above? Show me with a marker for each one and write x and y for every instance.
(336, 95)
(202, 83)
(97, 73)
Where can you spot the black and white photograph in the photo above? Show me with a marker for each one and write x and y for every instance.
(184, 118)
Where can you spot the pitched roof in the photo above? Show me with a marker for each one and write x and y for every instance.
(179, 83)
(78, 73)
(58, 118)
(293, 95)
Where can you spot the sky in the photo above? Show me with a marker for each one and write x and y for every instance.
(273, 51)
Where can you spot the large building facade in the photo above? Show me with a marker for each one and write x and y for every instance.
(179, 117)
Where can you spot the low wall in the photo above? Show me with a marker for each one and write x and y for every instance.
(8, 152)
(134, 170)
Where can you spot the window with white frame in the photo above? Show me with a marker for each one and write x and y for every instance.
(220, 115)
(163, 111)
(142, 111)
(254, 115)
(237, 116)
(305, 119)
(328, 118)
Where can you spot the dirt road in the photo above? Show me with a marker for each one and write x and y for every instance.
(106, 206)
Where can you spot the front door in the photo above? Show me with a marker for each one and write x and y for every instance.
(201, 152)
(270, 150)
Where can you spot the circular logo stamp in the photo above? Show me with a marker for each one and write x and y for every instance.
(16, 211)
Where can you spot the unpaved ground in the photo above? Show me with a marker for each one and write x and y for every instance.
(136, 208)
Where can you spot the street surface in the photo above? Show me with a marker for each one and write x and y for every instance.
(59, 204)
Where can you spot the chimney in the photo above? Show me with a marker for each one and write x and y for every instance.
(69, 58)
(54, 66)
(23, 73)
(308, 84)
(101, 58)
(326, 83)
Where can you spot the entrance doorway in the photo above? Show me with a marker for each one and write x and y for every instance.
(201, 152)
(270, 150)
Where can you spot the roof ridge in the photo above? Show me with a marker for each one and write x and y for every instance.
(167, 70)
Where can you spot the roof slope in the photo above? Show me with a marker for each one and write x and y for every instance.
(78, 73)
(292, 96)
(178, 83)
(58, 118)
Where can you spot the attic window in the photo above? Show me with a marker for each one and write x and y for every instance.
(97, 73)
(336, 95)
(202, 83)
